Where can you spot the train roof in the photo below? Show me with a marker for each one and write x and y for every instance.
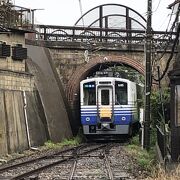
(106, 79)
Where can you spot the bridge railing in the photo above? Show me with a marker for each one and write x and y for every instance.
(12, 16)
(106, 35)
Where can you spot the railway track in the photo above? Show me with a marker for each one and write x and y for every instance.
(14, 165)
(27, 168)
(88, 161)
(103, 166)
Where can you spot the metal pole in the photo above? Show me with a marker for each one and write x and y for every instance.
(146, 139)
(32, 18)
(32, 21)
(163, 119)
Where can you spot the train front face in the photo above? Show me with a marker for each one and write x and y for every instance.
(107, 106)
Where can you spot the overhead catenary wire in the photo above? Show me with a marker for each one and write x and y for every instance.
(171, 55)
(86, 53)
(169, 39)
(163, 21)
(81, 11)
(170, 19)
(157, 6)
(172, 27)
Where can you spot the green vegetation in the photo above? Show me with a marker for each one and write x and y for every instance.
(65, 142)
(145, 159)
(124, 71)
(156, 106)
(128, 73)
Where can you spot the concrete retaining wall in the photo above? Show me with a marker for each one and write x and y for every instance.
(13, 134)
(36, 119)
(40, 64)
(16, 85)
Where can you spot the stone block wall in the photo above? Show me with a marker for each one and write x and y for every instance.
(11, 80)
(8, 63)
(18, 96)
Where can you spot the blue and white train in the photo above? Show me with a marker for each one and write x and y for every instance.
(108, 106)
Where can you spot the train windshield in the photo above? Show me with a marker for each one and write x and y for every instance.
(121, 95)
(105, 97)
(89, 93)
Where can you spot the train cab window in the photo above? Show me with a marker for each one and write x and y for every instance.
(89, 94)
(177, 105)
(105, 97)
(121, 96)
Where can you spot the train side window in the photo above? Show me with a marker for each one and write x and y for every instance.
(177, 105)
(105, 97)
(121, 96)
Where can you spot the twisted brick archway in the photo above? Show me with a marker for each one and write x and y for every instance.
(81, 73)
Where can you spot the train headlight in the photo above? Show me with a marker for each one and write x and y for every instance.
(88, 119)
(123, 118)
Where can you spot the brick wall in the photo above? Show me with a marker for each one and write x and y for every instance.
(72, 66)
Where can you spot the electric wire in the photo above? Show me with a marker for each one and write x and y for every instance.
(86, 53)
(171, 29)
(170, 19)
(169, 39)
(165, 19)
(171, 55)
(157, 6)
(81, 11)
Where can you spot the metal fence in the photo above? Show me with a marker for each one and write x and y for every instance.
(12, 16)
(95, 35)
(164, 141)
(161, 141)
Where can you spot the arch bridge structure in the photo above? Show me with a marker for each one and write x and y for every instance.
(104, 24)
(109, 34)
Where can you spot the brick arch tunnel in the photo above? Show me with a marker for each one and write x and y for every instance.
(72, 89)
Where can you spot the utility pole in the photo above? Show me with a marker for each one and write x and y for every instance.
(32, 11)
(146, 140)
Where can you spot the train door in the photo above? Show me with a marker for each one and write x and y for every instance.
(105, 104)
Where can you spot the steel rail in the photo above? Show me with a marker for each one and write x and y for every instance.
(37, 170)
(73, 170)
(74, 164)
(106, 160)
(108, 167)
(34, 160)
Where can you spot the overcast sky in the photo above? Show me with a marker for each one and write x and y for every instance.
(67, 12)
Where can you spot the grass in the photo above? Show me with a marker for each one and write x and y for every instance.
(65, 142)
(145, 159)
(47, 145)
(160, 174)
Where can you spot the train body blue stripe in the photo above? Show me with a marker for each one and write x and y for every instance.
(91, 119)
(122, 115)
